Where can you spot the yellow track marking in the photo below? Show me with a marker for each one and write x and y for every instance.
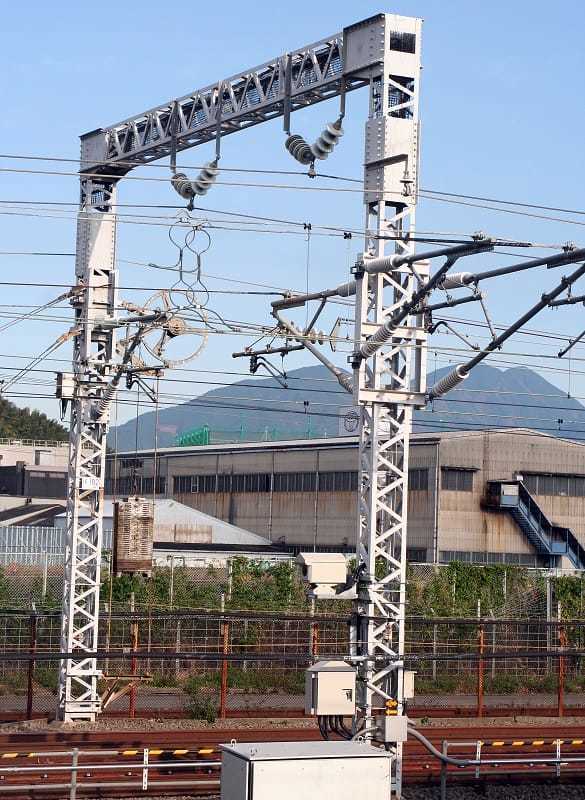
(517, 744)
(9, 755)
(129, 752)
(154, 752)
(180, 752)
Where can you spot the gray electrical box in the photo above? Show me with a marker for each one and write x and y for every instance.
(330, 689)
(392, 729)
(293, 770)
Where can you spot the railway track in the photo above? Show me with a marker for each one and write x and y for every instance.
(155, 763)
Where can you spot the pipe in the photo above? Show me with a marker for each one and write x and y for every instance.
(386, 263)
(549, 261)
(456, 762)
(343, 290)
(450, 303)
(462, 370)
(496, 343)
(268, 351)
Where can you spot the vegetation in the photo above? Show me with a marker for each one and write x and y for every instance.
(22, 423)
(202, 702)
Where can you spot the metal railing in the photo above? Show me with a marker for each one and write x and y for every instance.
(489, 757)
(80, 776)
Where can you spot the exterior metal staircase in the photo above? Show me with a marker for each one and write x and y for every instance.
(550, 541)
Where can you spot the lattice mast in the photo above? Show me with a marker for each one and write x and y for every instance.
(391, 381)
(93, 363)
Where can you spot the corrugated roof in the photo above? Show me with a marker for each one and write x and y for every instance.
(170, 512)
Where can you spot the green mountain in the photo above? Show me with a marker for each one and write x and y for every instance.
(258, 408)
(22, 423)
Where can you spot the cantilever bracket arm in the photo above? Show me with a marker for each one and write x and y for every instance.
(461, 371)
(344, 378)
(386, 331)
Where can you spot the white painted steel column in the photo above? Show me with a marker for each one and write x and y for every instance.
(392, 381)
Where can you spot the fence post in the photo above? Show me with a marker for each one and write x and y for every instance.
(31, 666)
(493, 669)
(134, 645)
(178, 647)
(230, 580)
(549, 620)
(74, 765)
(45, 578)
(561, 676)
(435, 631)
(444, 749)
(314, 632)
(480, 664)
(223, 689)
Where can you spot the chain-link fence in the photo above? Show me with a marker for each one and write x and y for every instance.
(161, 664)
(451, 590)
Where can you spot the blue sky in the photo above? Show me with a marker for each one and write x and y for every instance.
(502, 116)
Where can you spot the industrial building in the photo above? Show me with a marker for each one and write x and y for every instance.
(30, 468)
(302, 494)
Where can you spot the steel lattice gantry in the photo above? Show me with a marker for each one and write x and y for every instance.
(383, 54)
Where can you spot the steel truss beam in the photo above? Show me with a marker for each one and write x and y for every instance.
(248, 98)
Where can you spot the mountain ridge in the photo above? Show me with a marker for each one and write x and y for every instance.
(257, 408)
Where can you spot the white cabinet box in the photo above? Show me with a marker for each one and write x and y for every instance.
(330, 689)
(293, 770)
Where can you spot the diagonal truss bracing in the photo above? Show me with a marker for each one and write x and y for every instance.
(318, 71)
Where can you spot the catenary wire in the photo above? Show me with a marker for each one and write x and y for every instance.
(223, 168)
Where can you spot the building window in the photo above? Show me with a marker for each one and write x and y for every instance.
(554, 485)
(418, 479)
(295, 481)
(455, 479)
(417, 555)
(338, 481)
(135, 485)
(182, 484)
(402, 42)
(206, 484)
(258, 482)
(128, 463)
